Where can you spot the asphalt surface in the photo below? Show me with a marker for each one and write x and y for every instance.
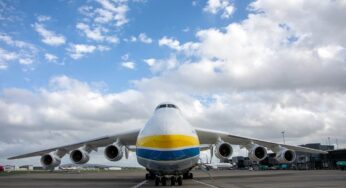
(135, 179)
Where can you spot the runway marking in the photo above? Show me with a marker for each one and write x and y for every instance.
(140, 184)
(206, 184)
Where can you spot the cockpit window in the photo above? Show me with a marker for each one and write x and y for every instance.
(166, 106)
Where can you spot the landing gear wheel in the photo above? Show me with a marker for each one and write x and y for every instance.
(190, 176)
(147, 176)
(173, 180)
(157, 181)
(180, 181)
(163, 181)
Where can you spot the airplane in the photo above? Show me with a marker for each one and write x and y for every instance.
(167, 146)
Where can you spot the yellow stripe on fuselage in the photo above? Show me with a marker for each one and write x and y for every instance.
(168, 141)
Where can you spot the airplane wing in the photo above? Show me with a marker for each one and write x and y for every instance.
(127, 138)
(211, 136)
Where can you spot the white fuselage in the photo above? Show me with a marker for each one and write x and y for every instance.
(167, 144)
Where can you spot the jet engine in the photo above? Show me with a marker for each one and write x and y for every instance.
(285, 156)
(79, 156)
(50, 161)
(223, 150)
(257, 153)
(114, 152)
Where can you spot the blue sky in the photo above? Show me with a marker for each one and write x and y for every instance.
(175, 19)
(76, 70)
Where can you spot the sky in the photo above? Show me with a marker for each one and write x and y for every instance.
(76, 70)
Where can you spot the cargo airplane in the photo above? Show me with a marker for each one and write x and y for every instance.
(167, 146)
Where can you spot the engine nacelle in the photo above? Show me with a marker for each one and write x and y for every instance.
(50, 161)
(285, 156)
(114, 152)
(223, 150)
(257, 153)
(79, 156)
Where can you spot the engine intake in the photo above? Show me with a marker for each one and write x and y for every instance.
(257, 153)
(79, 156)
(50, 161)
(114, 152)
(223, 150)
(286, 156)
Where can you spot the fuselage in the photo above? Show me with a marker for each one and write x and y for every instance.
(167, 144)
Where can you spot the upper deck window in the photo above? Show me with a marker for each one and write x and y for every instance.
(166, 106)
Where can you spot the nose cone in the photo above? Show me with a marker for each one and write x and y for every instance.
(167, 120)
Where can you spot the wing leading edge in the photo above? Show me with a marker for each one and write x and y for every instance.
(210, 137)
(126, 138)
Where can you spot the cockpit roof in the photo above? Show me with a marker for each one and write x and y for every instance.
(166, 105)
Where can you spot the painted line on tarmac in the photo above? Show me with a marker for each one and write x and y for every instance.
(140, 184)
(208, 185)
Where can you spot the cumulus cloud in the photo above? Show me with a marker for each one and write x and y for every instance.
(224, 6)
(77, 51)
(112, 10)
(96, 34)
(174, 44)
(128, 64)
(5, 57)
(50, 57)
(144, 38)
(43, 18)
(17, 51)
(102, 20)
(49, 37)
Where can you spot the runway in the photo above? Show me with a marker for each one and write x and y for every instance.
(135, 179)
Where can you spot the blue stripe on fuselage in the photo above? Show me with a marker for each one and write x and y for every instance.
(167, 155)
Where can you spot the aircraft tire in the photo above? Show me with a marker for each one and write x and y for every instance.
(173, 180)
(180, 181)
(163, 181)
(157, 181)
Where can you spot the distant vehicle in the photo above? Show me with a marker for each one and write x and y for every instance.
(341, 164)
(2, 169)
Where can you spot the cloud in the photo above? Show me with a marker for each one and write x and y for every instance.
(49, 37)
(170, 42)
(96, 33)
(129, 65)
(144, 38)
(162, 65)
(150, 62)
(188, 48)
(22, 52)
(223, 6)
(50, 57)
(77, 51)
(108, 12)
(112, 11)
(43, 18)
(5, 57)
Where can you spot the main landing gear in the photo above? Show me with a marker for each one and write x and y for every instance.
(164, 180)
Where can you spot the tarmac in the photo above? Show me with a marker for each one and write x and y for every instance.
(135, 179)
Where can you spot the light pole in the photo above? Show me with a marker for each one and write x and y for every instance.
(283, 136)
